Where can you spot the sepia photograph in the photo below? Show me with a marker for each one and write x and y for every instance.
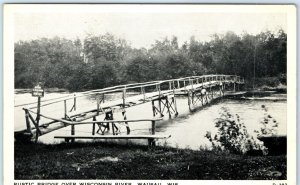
(149, 92)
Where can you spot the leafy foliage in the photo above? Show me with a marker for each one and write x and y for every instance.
(104, 60)
(269, 125)
(232, 135)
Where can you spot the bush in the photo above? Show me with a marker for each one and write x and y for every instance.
(232, 135)
(268, 124)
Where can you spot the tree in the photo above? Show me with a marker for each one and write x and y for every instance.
(59, 62)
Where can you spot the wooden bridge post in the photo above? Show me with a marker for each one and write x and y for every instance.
(124, 97)
(178, 84)
(153, 127)
(223, 84)
(126, 123)
(72, 132)
(189, 100)
(37, 129)
(143, 92)
(151, 142)
(160, 110)
(98, 107)
(191, 83)
(27, 121)
(224, 80)
(74, 102)
(238, 82)
(94, 125)
(173, 83)
(234, 84)
(113, 128)
(168, 107)
(72, 129)
(201, 97)
(159, 100)
(153, 108)
(174, 100)
(175, 105)
(38, 118)
(158, 89)
(65, 106)
(211, 95)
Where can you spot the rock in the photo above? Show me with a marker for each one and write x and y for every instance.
(274, 174)
(105, 159)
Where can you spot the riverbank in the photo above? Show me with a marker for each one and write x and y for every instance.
(111, 161)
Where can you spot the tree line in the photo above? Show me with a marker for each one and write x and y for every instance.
(105, 60)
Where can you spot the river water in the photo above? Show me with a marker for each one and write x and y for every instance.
(187, 130)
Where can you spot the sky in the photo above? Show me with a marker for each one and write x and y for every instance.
(141, 28)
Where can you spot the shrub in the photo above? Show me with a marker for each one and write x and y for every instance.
(268, 124)
(232, 135)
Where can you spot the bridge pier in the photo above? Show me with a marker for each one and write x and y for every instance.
(204, 95)
(105, 126)
(126, 123)
(94, 125)
(164, 103)
(72, 133)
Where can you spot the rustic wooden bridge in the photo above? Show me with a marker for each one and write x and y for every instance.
(200, 90)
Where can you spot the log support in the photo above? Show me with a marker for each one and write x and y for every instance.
(103, 127)
(151, 141)
(74, 104)
(28, 127)
(165, 104)
(204, 95)
(94, 125)
(126, 123)
(72, 133)
(65, 109)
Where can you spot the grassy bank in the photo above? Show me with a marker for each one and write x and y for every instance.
(276, 83)
(108, 161)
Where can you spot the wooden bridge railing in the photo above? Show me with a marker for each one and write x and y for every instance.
(172, 83)
(170, 86)
(161, 88)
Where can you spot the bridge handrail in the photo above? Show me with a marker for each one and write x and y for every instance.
(91, 122)
(120, 88)
(113, 121)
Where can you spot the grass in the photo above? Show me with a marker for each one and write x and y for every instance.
(112, 161)
(276, 83)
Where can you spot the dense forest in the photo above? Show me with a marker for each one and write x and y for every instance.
(104, 60)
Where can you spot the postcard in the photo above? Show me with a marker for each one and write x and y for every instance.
(149, 94)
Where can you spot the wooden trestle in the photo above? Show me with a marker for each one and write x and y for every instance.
(162, 94)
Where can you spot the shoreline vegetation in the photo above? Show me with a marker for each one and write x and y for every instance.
(110, 161)
(100, 61)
